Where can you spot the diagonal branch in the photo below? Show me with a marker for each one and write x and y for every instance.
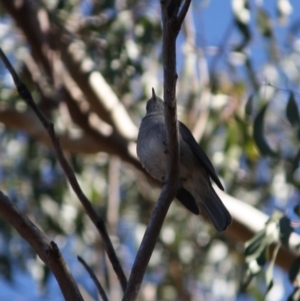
(47, 250)
(96, 219)
(183, 11)
(94, 278)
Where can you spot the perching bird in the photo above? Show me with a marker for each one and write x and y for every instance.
(196, 170)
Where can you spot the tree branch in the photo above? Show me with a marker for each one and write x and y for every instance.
(98, 93)
(169, 191)
(94, 278)
(84, 143)
(104, 102)
(183, 11)
(96, 219)
(47, 250)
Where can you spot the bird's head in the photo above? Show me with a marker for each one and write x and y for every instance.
(155, 104)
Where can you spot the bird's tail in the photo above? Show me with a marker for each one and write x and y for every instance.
(216, 210)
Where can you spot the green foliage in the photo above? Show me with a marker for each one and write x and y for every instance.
(258, 133)
(277, 228)
(249, 106)
(292, 111)
(264, 23)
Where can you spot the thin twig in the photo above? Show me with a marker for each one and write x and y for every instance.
(94, 278)
(47, 250)
(171, 26)
(183, 11)
(94, 216)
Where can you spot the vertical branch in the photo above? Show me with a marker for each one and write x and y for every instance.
(172, 20)
(170, 32)
(112, 218)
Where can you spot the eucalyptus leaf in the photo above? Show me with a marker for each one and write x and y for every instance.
(249, 106)
(258, 133)
(295, 296)
(292, 111)
(264, 23)
(285, 230)
(294, 270)
(270, 269)
(255, 246)
(297, 210)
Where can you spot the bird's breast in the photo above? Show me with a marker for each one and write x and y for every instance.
(151, 151)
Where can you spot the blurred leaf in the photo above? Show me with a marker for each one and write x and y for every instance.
(297, 210)
(275, 217)
(256, 250)
(264, 23)
(291, 167)
(60, 4)
(233, 133)
(258, 259)
(46, 276)
(242, 18)
(251, 149)
(294, 270)
(256, 293)
(269, 278)
(258, 133)
(249, 106)
(262, 258)
(5, 267)
(285, 230)
(270, 269)
(292, 111)
(284, 9)
(256, 264)
(295, 296)
(255, 246)
(244, 29)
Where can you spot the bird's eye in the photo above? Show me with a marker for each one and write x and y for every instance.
(147, 106)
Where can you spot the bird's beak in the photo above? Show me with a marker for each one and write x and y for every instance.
(153, 94)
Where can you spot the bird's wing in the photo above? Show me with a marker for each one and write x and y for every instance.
(187, 200)
(189, 138)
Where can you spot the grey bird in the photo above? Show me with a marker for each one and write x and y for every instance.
(196, 170)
